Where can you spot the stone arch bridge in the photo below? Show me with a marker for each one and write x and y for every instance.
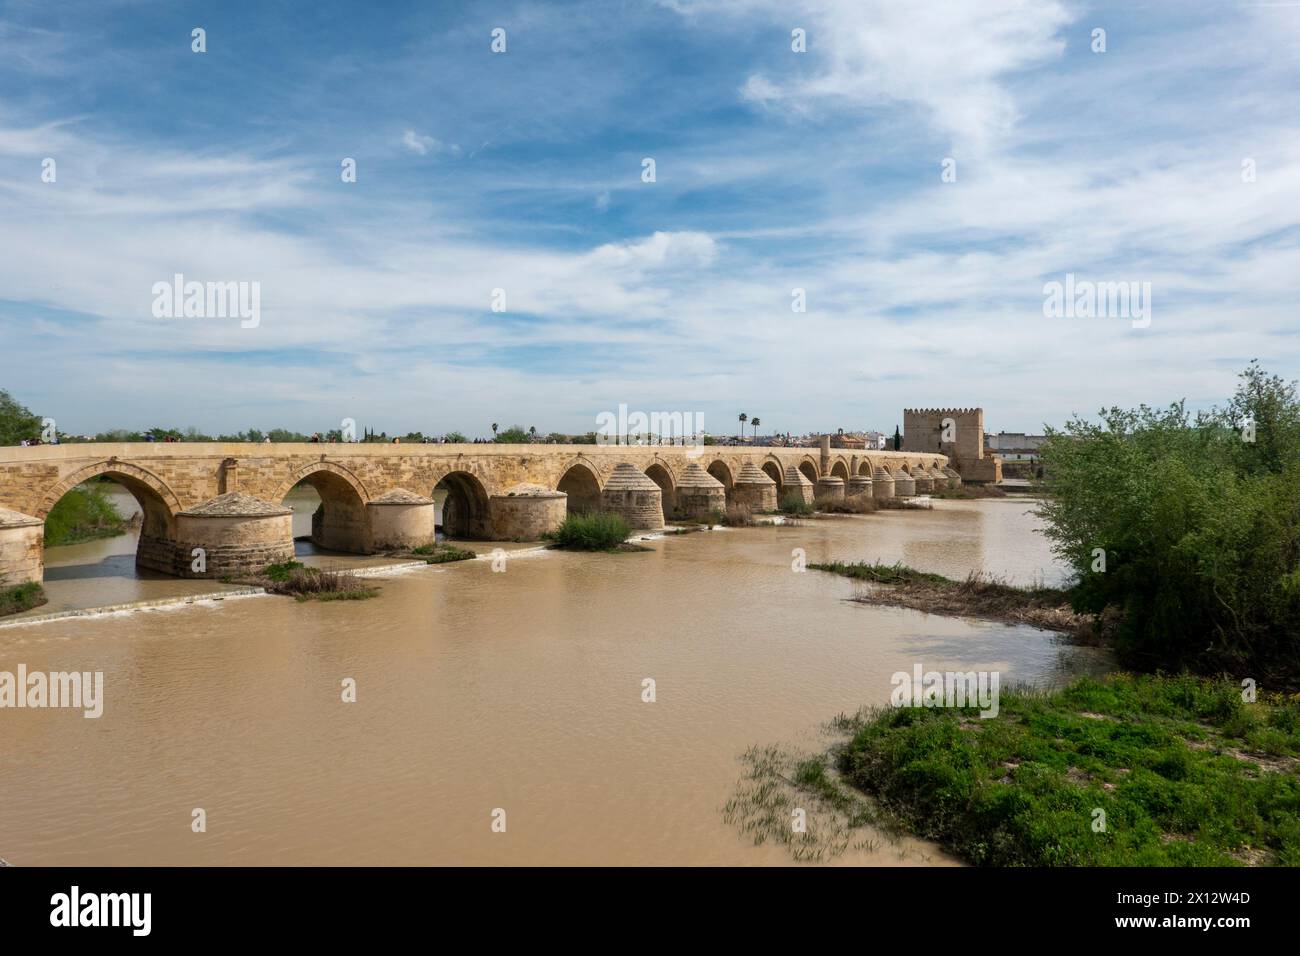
(227, 498)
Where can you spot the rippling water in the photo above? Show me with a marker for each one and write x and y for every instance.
(480, 690)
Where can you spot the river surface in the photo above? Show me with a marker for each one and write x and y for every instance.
(477, 690)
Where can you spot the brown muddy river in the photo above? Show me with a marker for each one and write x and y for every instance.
(478, 690)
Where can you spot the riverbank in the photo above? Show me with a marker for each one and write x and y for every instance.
(1126, 771)
(978, 596)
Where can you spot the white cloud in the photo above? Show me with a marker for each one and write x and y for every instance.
(948, 58)
(423, 145)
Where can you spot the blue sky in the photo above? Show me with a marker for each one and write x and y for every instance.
(775, 170)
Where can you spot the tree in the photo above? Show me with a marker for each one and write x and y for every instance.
(743, 418)
(514, 435)
(898, 439)
(494, 428)
(755, 422)
(456, 438)
(1187, 529)
(532, 432)
(17, 421)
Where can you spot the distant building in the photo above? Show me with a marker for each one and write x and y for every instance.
(1015, 446)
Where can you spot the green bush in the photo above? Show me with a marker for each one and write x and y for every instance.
(441, 553)
(1198, 526)
(793, 504)
(21, 597)
(83, 514)
(599, 531)
(283, 571)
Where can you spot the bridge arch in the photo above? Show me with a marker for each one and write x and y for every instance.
(156, 499)
(316, 474)
(720, 470)
(158, 503)
(659, 472)
(464, 505)
(340, 523)
(840, 469)
(581, 482)
(865, 467)
(772, 468)
(809, 469)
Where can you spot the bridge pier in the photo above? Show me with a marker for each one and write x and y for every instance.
(22, 548)
(882, 483)
(634, 495)
(858, 486)
(231, 534)
(754, 489)
(398, 520)
(526, 512)
(699, 493)
(831, 487)
(797, 484)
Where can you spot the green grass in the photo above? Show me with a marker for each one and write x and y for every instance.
(21, 597)
(599, 531)
(440, 553)
(283, 571)
(1186, 773)
(84, 514)
(792, 504)
(882, 573)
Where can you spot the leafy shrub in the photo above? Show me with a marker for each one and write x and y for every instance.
(83, 514)
(1190, 527)
(598, 531)
(792, 503)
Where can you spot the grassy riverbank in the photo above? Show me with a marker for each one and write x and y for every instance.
(1124, 771)
(1131, 771)
(977, 596)
(22, 597)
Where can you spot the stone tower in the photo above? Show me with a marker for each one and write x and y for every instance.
(955, 432)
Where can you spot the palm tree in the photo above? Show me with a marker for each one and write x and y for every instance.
(494, 429)
(532, 432)
(755, 422)
(743, 418)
